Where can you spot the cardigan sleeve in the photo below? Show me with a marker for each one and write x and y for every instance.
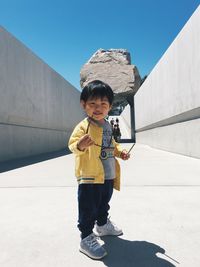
(77, 133)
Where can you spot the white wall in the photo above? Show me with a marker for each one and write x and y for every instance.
(125, 119)
(38, 107)
(171, 96)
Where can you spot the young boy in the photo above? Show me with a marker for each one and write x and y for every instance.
(96, 168)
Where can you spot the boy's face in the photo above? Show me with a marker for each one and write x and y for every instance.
(97, 108)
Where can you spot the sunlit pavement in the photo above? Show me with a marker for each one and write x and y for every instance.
(158, 208)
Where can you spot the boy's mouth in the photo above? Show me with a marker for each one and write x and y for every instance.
(96, 113)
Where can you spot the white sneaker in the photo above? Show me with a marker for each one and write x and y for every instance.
(91, 247)
(108, 229)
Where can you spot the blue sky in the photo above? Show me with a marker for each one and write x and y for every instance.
(66, 33)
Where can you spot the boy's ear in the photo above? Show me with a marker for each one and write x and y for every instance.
(82, 102)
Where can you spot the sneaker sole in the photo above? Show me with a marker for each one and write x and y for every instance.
(90, 256)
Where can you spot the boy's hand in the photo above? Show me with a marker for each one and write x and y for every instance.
(125, 155)
(84, 142)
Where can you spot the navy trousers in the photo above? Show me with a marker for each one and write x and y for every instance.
(93, 205)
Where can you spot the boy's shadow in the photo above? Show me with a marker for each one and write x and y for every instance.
(125, 253)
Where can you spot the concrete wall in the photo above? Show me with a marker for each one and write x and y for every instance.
(38, 107)
(125, 123)
(167, 106)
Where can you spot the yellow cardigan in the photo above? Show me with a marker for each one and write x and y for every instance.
(88, 165)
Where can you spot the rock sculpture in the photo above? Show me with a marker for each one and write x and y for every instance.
(114, 67)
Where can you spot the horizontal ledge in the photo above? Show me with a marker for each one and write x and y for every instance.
(35, 127)
(123, 140)
(182, 117)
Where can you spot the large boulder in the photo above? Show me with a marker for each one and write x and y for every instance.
(114, 67)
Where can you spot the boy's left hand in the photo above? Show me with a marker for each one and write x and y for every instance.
(125, 155)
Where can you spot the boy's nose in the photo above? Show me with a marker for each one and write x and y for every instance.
(97, 106)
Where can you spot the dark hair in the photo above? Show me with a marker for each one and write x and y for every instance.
(97, 89)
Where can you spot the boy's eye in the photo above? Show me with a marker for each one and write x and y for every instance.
(104, 104)
(94, 103)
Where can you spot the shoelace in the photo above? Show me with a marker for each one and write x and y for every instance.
(93, 242)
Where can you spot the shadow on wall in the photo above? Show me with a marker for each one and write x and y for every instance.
(127, 253)
(22, 162)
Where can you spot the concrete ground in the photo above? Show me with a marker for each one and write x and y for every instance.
(158, 208)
